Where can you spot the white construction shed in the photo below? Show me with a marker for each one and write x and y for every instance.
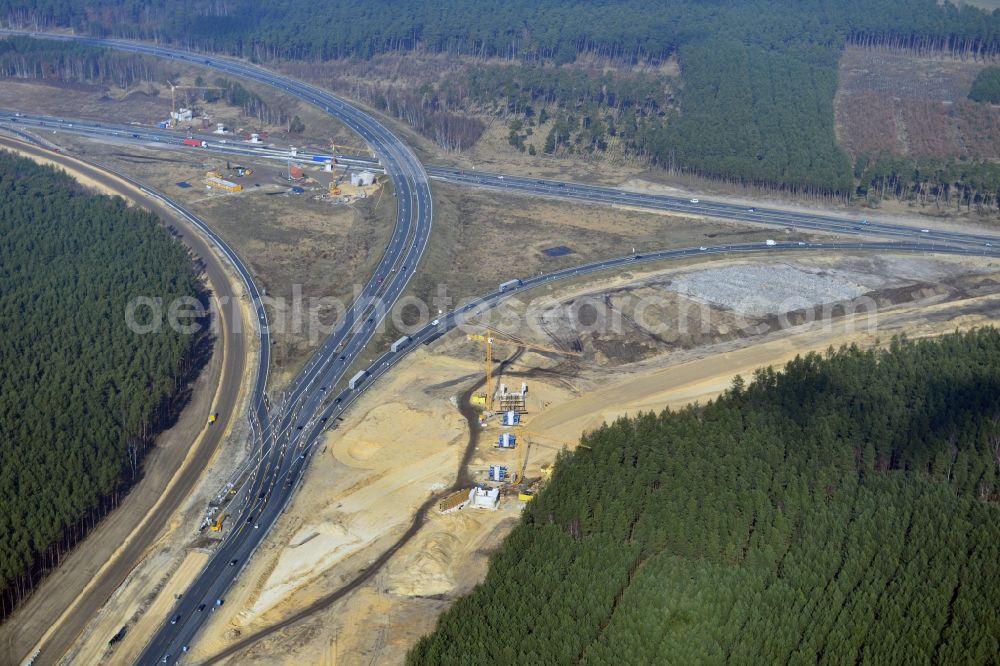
(484, 498)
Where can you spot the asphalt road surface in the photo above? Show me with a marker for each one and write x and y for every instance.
(43, 615)
(593, 194)
(468, 312)
(290, 428)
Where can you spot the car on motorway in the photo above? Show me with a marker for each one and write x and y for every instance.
(751, 210)
(695, 201)
(219, 602)
(702, 248)
(166, 658)
(201, 608)
(175, 619)
(232, 563)
(435, 322)
(925, 231)
(342, 358)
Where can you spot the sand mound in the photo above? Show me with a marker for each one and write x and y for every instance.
(388, 429)
(428, 571)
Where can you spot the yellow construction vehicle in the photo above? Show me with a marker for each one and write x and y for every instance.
(488, 338)
(217, 525)
(212, 418)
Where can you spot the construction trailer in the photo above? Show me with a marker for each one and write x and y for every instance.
(357, 379)
(497, 473)
(511, 418)
(226, 185)
(507, 440)
(399, 344)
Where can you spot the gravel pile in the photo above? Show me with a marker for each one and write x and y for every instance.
(755, 290)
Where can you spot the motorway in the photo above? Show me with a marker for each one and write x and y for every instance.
(537, 187)
(284, 432)
(287, 430)
(100, 583)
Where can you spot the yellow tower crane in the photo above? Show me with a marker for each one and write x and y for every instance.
(173, 97)
(357, 150)
(493, 335)
(527, 437)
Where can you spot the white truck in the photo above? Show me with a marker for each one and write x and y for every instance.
(769, 242)
(356, 380)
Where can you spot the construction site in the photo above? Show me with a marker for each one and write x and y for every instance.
(413, 492)
(410, 494)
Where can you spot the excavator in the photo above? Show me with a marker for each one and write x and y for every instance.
(217, 525)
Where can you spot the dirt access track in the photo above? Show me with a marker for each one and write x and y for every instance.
(63, 603)
(343, 577)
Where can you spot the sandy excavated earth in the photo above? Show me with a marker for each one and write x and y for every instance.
(404, 442)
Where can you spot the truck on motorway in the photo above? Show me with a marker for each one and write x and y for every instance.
(195, 143)
(357, 379)
(510, 284)
(399, 344)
